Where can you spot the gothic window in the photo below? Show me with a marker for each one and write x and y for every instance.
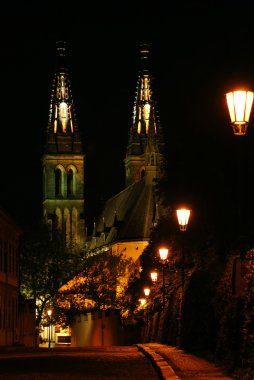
(63, 115)
(71, 181)
(70, 185)
(58, 182)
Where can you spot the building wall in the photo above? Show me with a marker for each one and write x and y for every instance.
(97, 329)
(131, 249)
(9, 279)
(64, 211)
(12, 313)
(27, 335)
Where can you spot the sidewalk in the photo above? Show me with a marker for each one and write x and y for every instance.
(174, 364)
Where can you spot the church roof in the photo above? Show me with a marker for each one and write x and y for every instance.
(129, 215)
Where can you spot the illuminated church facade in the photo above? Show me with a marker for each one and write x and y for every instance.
(63, 161)
(125, 222)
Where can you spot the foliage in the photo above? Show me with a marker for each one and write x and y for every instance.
(101, 284)
(44, 264)
(229, 314)
(248, 327)
(215, 321)
(198, 321)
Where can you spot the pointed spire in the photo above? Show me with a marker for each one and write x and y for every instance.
(145, 118)
(145, 135)
(144, 56)
(61, 54)
(63, 134)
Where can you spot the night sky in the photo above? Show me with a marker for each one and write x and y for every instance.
(199, 52)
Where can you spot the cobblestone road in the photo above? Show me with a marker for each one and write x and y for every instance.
(112, 363)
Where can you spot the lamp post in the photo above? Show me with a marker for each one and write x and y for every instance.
(147, 293)
(239, 104)
(163, 256)
(183, 215)
(183, 219)
(49, 312)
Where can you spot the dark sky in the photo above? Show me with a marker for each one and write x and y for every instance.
(198, 52)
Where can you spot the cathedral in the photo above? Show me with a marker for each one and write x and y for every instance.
(125, 222)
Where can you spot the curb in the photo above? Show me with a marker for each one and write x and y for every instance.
(164, 370)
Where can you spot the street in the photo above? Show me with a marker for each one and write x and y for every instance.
(110, 363)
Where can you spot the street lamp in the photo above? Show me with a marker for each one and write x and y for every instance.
(147, 293)
(183, 215)
(239, 105)
(49, 312)
(163, 256)
(154, 276)
(142, 301)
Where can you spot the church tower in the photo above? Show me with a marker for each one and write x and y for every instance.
(144, 153)
(127, 219)
(63, 160)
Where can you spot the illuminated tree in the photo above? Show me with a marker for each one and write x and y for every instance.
(45, 264)
(101, 284)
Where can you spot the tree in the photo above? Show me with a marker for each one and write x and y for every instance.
(45, 264)
(101, 284)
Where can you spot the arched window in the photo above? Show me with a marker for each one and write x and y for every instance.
(70, 185)
(58, 182)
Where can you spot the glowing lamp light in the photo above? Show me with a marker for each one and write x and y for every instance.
(147, 292)
(154, 276)
(163, 253)
(239, 106)
(142, 301)
(49, 312)
(183, 218)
